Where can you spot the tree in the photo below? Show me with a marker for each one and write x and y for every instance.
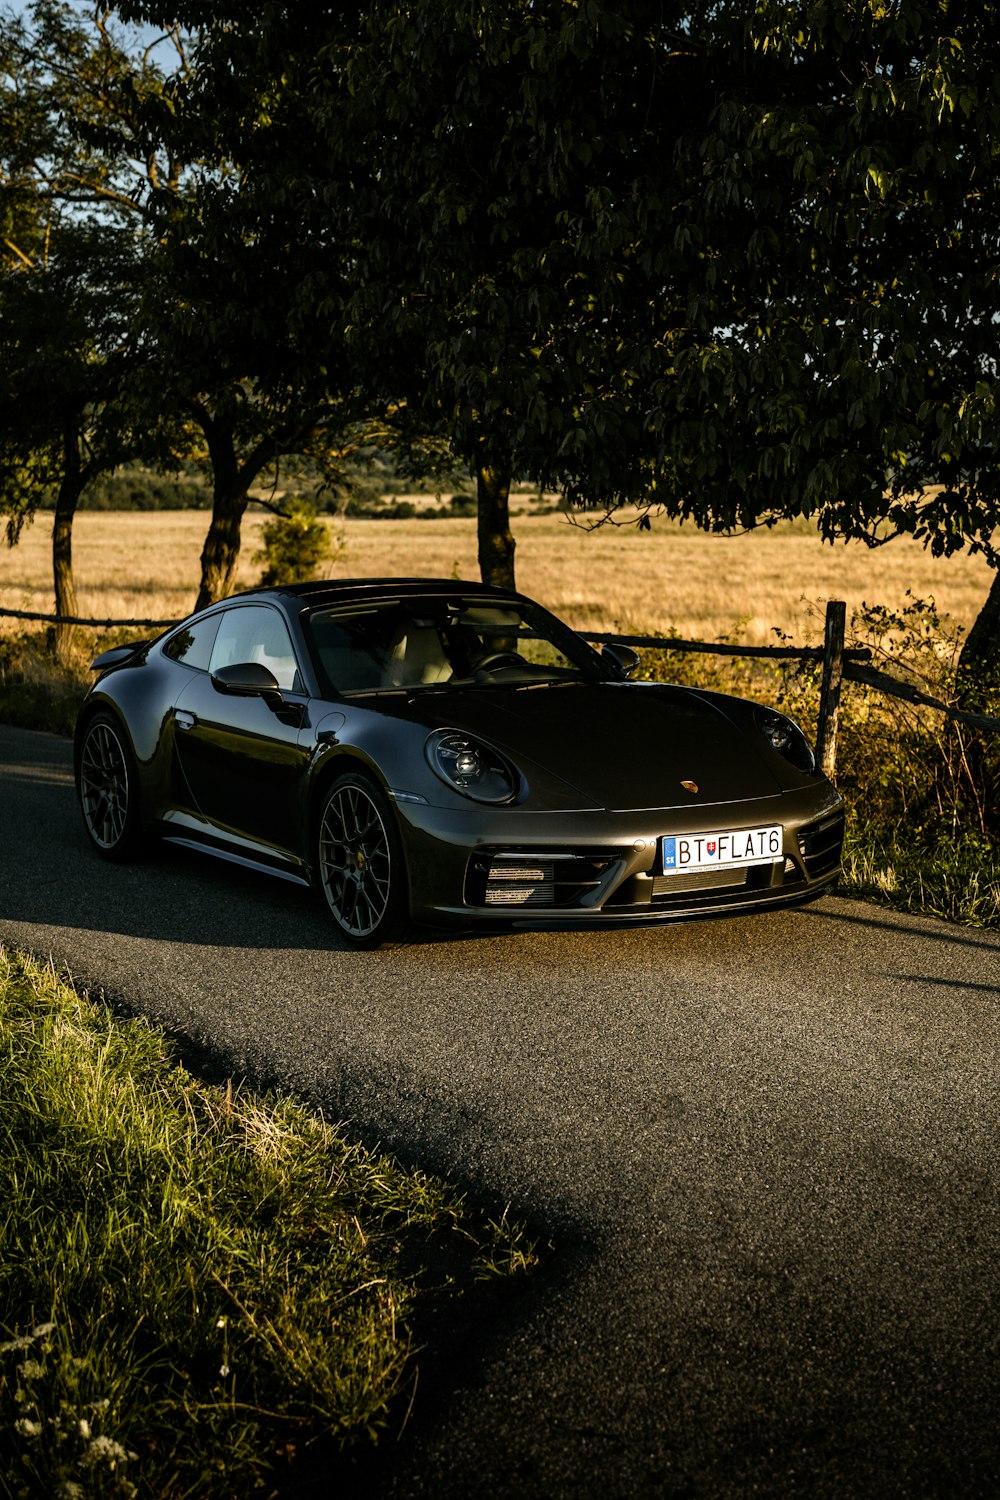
(228, 358)
(91, 170)
(842, 358)
(221, 365)
(69, 198)
(733, 260)
(468, 181)
(499, 156)
(62, 367)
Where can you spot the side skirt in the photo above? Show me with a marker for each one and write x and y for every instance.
(237, 859)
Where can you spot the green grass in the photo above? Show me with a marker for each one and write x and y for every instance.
(197, 1284)
(942, 873)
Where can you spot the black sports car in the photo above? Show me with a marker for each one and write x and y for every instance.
(442, 752)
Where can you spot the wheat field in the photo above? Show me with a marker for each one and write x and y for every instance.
(146, 565)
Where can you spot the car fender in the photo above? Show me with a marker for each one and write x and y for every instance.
(141, 697)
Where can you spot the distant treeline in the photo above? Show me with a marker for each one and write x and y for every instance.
(368, 497)
(378, 509)
(364, 493)
(136, 491)
(140, 490)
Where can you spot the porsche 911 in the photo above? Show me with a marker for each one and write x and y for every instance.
(432, 752)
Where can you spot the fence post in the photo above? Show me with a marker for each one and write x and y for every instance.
(829, 697)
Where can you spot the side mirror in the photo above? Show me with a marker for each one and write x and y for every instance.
(622, 657)
(246, 679)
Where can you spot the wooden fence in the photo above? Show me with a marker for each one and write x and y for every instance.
(840, 663)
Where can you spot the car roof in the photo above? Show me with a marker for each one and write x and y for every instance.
(350, 590)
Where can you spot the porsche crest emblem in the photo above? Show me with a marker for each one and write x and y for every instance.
(690, 786)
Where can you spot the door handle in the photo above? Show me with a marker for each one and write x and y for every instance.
(183, 719)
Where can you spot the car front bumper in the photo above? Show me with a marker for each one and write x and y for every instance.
(509, 866)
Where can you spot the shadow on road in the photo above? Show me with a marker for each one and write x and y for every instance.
(170, 896)
(989, 943)
(49, 875)
(951, 984)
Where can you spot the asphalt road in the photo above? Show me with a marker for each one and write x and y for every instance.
(765, 1149)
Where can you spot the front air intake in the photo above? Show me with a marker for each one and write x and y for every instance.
(510, 884)
(820, 845)
(528, 877)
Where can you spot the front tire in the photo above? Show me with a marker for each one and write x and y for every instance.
(361, 869)
(109, 790)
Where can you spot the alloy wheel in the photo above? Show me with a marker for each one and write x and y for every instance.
(355, 860)
(104, 786)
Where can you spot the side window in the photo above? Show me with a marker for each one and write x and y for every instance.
(193, 645)
(255, 632)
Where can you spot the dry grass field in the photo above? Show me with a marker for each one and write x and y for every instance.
(145, 565)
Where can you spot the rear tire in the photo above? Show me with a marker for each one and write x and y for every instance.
(360, 865)
(109, 790)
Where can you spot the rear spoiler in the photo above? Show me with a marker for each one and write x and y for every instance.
(116, 657)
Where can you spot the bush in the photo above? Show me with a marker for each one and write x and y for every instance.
(39, 690)
(296, 546)
(376, 509)
(913, 762)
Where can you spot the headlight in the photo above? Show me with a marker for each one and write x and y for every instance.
(470, 767)
(786, 737)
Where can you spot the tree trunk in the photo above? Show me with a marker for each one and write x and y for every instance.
(70, 489)
(979, 692)
(221, 551)
(979, 662)
(496, 541)
(232, 477)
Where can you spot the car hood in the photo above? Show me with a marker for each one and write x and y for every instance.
(621, 746)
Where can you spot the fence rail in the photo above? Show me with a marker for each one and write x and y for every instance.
(891, 686)
(27, 614)
(722, 648)
(840, 663)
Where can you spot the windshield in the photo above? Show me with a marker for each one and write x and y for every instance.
(407, 644)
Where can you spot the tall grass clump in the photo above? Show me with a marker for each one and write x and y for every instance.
(925, 831)
(196, 1284)
(41, 688)
(921, 789)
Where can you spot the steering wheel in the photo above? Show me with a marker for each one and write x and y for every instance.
(499, 659)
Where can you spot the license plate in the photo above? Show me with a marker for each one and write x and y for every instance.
(683, 852)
